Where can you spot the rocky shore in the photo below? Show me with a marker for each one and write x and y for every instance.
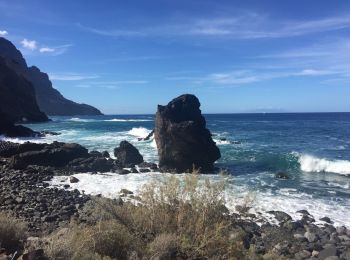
(25, 170)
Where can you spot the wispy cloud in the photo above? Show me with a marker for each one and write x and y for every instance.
(119, 82)
(29, 44)
(111, 32)
(116, 84)
(71, 76)
(46, 49)
(242, 77)
(57, 50)
(330, 58)
(3, 33)
(248, 26)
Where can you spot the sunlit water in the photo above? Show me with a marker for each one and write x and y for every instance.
(314, 149)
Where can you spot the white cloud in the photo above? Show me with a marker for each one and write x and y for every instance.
(28, 44)
(313, 72)
(54, 51)
(241, 77)
(47, 49)
(250, 25)
(3, 33)
(71, 76)
(111, 32)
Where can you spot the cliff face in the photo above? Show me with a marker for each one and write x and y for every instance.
(49, 99)
(17, 97)
(182, 138)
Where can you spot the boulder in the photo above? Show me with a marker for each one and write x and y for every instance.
(91, 164)
(9, 129)
(127, 154)
(73, 179)
(282, 175)
(183, 141)
(55, 155)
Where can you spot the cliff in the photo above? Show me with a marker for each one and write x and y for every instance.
(49, 99)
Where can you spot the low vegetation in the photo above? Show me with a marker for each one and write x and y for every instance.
(171, 219)
(12, 232)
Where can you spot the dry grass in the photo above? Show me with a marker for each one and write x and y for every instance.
(12, 232)
(186, 219)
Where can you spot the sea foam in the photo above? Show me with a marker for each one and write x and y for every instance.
(139, 132)
(127, 120)
(310, 163)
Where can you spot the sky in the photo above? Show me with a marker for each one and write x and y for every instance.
(126, 57)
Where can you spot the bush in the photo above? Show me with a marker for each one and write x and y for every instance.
(12, 232)
(172, 218)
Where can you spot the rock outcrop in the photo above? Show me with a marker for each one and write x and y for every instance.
(50, 100)
(182, 138)
(17, 97)
(55, 155)
(9, 129)
(127, 154)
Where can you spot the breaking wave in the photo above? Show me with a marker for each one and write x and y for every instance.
(139, 132)
(127, 120)
(310, 163)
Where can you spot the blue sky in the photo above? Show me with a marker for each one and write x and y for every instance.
(236, 56)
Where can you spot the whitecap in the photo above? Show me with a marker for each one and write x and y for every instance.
(310, 163)
(286, 200)
(127, 120)
(77, 119)
(139, 132)
(221, 142)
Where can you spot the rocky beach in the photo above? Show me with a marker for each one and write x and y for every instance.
(28, 168)
(163, 130)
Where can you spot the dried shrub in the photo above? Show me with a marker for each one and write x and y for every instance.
(12, 232)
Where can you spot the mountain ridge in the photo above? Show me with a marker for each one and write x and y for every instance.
(49, 99)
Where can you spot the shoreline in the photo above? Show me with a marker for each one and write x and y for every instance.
(28, 195)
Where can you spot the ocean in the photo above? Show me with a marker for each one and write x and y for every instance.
(312, 148)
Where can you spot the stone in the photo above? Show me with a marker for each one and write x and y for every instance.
(310, 236)
(280, 215)
(302, 254)
(73, 179)
(182, 139)
(304, 212)
(105, 154)
(152, 166)
(282, 175)
(127, 154)
(326, 219)
(341, 230)
(125, 192)
(327, 252)
(332, 258)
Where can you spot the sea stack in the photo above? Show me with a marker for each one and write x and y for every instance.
(182, 138)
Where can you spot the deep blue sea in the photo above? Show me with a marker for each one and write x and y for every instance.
(312, 148)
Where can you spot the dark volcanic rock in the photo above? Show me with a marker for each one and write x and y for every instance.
(49, 99)
(127, 154)
(17, 97)
(182, 138)
(55, 154)
(91, 164)
(9, 129)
